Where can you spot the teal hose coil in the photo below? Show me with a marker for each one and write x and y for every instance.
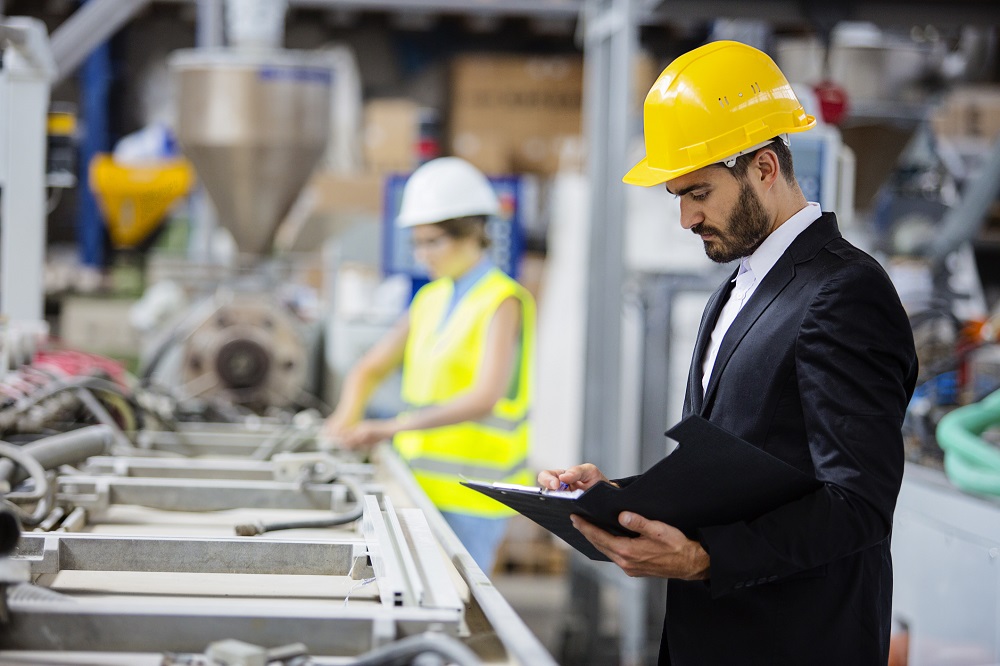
(971, 462)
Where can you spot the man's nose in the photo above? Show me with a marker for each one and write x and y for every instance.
(690, 215)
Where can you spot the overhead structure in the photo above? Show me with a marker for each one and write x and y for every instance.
(87, 28)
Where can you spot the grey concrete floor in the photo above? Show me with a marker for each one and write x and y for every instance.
(540, 600)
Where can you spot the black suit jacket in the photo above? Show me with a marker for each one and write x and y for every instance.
(817, 369)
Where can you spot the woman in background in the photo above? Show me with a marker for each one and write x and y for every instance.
(466, 347)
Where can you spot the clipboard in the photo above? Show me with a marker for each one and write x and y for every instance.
(711, 478)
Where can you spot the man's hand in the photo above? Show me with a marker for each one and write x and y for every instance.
(660, 550)
(579, 477)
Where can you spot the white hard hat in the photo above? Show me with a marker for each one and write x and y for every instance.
(445, 189)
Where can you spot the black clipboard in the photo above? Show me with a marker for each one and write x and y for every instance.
(711, 478)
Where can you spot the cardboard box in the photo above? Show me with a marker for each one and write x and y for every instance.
(512, 113)
(348, 192)
(391, 134)
(331, 204)
(969, 112)
(487, 149)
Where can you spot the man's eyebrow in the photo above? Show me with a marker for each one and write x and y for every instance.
(690, 188)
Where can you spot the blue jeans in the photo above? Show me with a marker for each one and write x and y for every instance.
(480, 536)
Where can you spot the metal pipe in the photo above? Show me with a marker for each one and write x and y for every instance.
(407, 649)
(88, 27)
(62, 449)
(963, 221)
(31, 468)
(209, 32)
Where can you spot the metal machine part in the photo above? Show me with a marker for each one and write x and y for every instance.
(238, 347)
(180, 621)
(138, 561)
(254, 123)
(249, 351)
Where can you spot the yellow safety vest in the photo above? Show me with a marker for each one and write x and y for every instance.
(440, 363)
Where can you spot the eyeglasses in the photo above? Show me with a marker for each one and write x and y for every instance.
(432, 243)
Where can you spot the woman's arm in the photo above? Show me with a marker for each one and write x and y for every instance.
(365, 376)
(493, 380)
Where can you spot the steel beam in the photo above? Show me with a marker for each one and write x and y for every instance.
(88, 27)
(52, 553)
(24, 102)
(98, 493)
(251, 470)
(93, 625)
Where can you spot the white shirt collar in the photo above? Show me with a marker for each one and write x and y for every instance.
(767, 254)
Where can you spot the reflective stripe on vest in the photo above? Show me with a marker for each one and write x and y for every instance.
(466, 470)
(491, 420)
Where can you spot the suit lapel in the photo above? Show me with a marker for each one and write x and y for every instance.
(803, 248)
(775, 280)
(693, 400)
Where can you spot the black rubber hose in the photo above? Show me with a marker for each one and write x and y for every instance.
(10, 531)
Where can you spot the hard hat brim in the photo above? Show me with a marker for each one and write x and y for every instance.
(647, 176)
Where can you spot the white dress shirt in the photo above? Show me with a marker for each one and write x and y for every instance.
(752, 270)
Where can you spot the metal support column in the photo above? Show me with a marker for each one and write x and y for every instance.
(95, 85)
(28, 70)
(610, 44)
(610, 35)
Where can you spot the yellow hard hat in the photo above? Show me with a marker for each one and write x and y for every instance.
(711, 104)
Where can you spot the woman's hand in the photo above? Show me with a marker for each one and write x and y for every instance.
(336, 425)
(366, 434)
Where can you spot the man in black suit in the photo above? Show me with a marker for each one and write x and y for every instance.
(805, 352)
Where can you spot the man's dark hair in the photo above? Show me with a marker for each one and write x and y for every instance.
(784, 153)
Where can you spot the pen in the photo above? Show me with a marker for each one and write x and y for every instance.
(563, 486)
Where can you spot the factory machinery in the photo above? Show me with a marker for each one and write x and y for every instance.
(151, 541)
(193, 514)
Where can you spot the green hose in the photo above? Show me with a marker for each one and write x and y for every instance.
(970, 462)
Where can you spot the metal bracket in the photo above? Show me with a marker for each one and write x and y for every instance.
(383, 550)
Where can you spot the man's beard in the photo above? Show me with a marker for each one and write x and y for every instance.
(748, 226)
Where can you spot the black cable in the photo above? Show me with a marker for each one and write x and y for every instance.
(349, 516)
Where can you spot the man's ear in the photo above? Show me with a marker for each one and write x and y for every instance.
(765, 167)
